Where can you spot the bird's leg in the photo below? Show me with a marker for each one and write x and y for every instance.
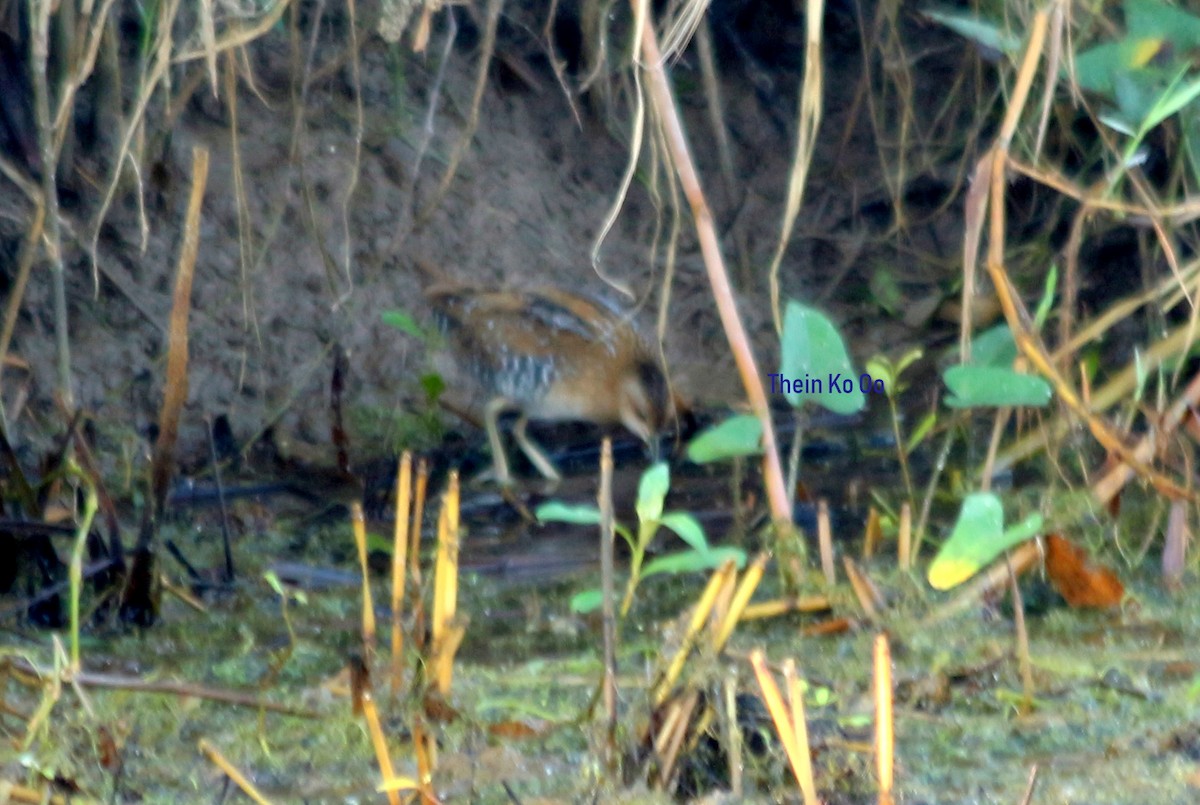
(535, 453)
(491, 421)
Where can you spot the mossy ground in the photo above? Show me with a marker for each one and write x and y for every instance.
(1115, 721)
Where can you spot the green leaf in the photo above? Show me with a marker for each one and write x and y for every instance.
(1147, 19)
(1177, 95)
(739, 435)
(994, 347)
(981, 31)
(880, 367)
(379, 543)
(433, 385)
(687, 527)
(908, 359)
(1047, 300)
(1189, 125)
(555, 511)
(990, 386)
(1193, 691)
(272, 580)
(587, 601)
(1095, 68)
(1118, 122)
(693, 561)
(978, 538)
(921, 431)
(652, 491)
(815, 358)
(404, 322)
(886, 291)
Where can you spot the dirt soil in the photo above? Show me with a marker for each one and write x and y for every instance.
(326, 234)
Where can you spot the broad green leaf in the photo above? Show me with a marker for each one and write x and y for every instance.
(587, 601)
(652, 491)
(1135, 94)
(1146, 19)
(739, 435)
(693, 561)
(1095, 67)
(404, 322)
(990, 386)
(815, 363)
(687, 527)
(983, 32)
(994, 347)
(978, 538)
(555, 511)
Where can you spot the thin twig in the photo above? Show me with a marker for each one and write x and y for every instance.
(660, 90)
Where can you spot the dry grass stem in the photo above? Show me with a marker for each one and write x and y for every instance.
(782, 606)
(486, 49)
(1022, 638)
(425, 747)
(390, 782)
(670, 738)
(148, 84)
(741, 598)
(359, 528)
(448, 632)
(825, 543)
(864, 590)
(39, 55)
(811, 100)
(990, 174)
(1117, 387)
(29, 250)
(999, 422)
(793, 738)
(733, 735)
(175, 389)
(1174, 553)
(608, 603)
(720, 578)
(872, 533)
(400, 568)
(237, 35)
(229, 770)
(660, 92)
(884, 731)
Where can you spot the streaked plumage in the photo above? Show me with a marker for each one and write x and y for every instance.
(551, 355)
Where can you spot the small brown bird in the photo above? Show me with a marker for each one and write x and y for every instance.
(551, 355)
